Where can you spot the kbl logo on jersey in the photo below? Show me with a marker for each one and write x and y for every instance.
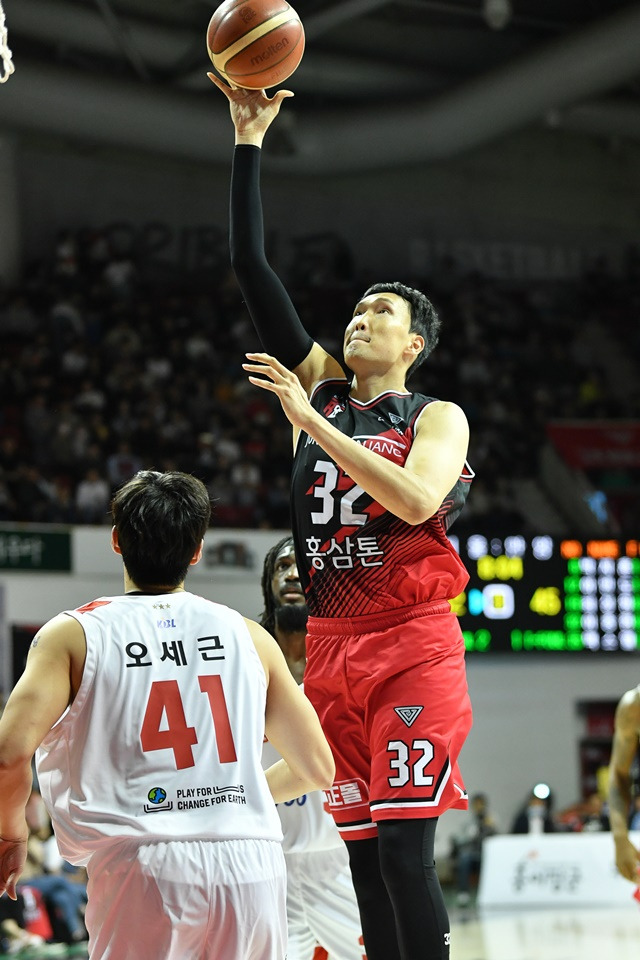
(164, 624)
(157, 797)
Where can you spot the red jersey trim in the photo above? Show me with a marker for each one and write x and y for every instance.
(92, 606)
(365, 405)
(468, 473)
(418, 414)
(359, 404)
(368, 832)
(322, 383)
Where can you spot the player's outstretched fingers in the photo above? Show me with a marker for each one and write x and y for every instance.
(268, 361)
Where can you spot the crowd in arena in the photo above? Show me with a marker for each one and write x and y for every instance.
(107, 366)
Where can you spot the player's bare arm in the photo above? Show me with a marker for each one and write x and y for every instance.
(625, 746)
(292, 726)
(413, 492)
(40, 697)
(318, 365)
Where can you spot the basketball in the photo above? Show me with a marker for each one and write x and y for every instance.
(255, 43)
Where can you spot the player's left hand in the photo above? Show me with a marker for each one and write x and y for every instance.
(13, 854)
(252, 111)
(284, 384)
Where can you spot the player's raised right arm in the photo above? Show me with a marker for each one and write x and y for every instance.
(274, 316)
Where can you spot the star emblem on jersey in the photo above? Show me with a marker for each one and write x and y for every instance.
(162, 606)
(408, 715)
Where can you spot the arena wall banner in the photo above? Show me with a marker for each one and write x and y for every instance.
(28, 547)
(229, 554)
(552, 870)
(597, 444)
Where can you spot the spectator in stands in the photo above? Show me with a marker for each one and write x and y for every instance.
(535, 816)
(61, 507)
(122, 464)
(594, 816)
(32, 493)
(63, 898)
(466, 845)
(75, 339)
(15, 939)
(92, 498)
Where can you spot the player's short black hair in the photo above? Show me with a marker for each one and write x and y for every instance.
(424, 317)
(161, 519)
(268, 615)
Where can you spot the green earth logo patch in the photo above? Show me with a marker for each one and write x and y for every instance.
(157, 797)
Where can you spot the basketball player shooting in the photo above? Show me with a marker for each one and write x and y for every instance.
(379, 475)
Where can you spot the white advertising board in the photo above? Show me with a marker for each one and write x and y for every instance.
(565, 869)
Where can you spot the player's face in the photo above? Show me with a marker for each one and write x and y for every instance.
(379, 329)
(285, 582)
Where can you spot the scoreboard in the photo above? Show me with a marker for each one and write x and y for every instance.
(545, 594)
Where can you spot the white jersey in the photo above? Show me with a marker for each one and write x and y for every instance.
(321, 903)
(306, 825)
(164, 737)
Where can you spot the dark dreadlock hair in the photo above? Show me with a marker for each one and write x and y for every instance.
(268, 615)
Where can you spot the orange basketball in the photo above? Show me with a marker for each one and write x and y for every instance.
(255, 43)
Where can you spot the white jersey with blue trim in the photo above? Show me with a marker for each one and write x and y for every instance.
(164, 737)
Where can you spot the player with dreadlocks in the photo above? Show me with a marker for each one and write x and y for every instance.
(321, 902)
(285, 610)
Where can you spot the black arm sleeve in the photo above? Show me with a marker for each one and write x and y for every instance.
(274, 315)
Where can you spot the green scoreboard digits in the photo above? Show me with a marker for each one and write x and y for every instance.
(545, 594)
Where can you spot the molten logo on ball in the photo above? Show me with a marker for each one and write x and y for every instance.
(270, 51)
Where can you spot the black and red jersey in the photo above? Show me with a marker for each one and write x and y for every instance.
(354, 557)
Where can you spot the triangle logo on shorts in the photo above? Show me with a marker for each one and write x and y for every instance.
(408, 714)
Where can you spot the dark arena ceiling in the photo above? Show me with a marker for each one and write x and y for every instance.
(382, 82)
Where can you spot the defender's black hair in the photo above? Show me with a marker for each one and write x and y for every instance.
(161, 519)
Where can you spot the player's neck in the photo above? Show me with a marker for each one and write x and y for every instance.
(131, 587)
(365, 388)
(290, 637)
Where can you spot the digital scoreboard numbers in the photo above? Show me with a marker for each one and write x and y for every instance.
(545, 594)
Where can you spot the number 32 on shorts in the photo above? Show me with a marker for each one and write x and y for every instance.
(410, 769)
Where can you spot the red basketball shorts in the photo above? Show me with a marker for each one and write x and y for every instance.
(391, 694)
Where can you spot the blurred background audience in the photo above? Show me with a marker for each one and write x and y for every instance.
(106, 368)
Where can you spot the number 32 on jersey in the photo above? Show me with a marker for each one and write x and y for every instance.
(410, 769)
